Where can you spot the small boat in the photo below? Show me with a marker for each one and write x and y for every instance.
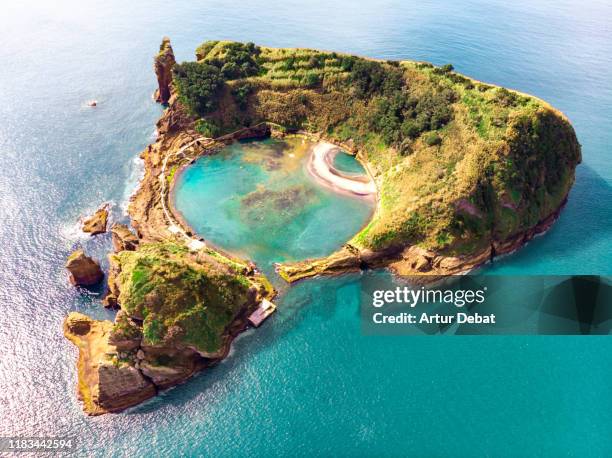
(92, 103)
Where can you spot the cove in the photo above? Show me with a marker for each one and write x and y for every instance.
(257, 200)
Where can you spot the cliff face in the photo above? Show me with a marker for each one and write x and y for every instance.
(163, 63)
(123, 239)
(108, 382)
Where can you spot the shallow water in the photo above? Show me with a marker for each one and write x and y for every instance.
(347, 163)
(307, 382)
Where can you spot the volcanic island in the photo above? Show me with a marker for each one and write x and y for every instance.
(461, 172)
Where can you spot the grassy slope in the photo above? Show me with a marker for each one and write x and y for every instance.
(181, 296)
(482, 163)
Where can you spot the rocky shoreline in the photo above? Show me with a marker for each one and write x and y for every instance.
(117, 366)
(424, 266)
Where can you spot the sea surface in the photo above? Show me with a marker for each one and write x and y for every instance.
(307, 382)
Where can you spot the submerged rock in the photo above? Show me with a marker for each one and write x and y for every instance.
(282, 205)
(163, 64)
(96, 223)
(84, 271)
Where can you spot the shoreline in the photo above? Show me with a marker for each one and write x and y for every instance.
(413, 261)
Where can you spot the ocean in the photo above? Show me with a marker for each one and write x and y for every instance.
(307, 382)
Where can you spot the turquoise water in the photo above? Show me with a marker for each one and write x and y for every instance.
(257, 200)
(307, 382)
(347, 163)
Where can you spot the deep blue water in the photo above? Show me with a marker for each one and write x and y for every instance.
(307, 382)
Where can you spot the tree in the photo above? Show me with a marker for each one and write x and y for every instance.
(198, 85)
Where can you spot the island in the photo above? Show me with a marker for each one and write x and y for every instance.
(461, 172)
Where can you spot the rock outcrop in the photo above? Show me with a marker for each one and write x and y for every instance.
(108, 380)
(96, 223)
(84, 271)
(123, 238)
(163, 64)
(179, 312)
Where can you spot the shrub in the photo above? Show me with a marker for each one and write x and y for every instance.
(316, 61)
(505, 98)
(347, 63)
(241, 94)
(432, 139)
(198, 86)
(311, 80)
(207, 128)
(367, 77)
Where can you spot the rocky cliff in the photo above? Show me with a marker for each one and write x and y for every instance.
(163, 64)
(84, 271)
(108, 380)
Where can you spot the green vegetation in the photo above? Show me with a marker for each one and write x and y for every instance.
(459, 163)
(207, 127)
(171, 174)
(198, 85)
(182, 297)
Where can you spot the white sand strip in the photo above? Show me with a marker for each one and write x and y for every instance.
(320, 166)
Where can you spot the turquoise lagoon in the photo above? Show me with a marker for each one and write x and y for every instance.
(257, 199)
(307, 382)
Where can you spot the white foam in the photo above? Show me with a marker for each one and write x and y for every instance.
(137, 171)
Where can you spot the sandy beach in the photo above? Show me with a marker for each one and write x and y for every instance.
(321, 167)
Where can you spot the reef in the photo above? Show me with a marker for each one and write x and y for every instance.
(284, 204)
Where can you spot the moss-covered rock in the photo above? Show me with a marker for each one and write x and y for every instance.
(182, 298)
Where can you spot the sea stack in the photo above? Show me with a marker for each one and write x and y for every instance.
(84, 271)
(96, 224)
(163, 64)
